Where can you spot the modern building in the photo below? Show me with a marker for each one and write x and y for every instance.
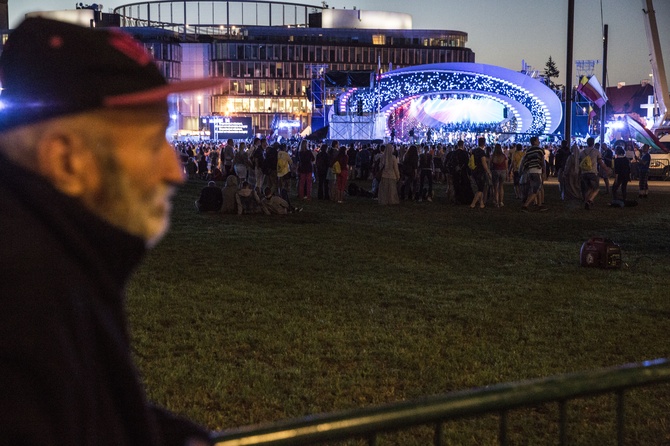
(274, 55)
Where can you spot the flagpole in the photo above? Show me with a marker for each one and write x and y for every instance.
(603, 110)
(568, 72)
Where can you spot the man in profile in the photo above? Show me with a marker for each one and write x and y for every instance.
(86, 179)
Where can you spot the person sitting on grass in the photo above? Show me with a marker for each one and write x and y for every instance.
(211, 198)
(247, 200)
(274, 204)
(229, 195)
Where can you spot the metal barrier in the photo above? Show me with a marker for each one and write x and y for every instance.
(367, 423)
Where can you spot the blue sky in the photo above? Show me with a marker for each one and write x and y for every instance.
(505, 32)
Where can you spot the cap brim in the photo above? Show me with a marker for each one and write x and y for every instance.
(161, 93)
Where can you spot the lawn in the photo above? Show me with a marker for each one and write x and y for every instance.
(240, 320)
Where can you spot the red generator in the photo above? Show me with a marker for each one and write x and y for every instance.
(600, 253)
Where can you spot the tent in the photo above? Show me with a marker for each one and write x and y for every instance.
(318, 135)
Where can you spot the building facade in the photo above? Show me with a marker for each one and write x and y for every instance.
(271, 53)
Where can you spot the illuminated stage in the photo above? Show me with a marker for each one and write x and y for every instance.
(449, 101)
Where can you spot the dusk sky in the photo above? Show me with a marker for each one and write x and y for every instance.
(505, 32)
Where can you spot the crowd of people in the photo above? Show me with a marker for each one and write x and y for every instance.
(473, 174)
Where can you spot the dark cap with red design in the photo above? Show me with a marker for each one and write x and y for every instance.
(50, 68)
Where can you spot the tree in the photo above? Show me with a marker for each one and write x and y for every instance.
(551, 71)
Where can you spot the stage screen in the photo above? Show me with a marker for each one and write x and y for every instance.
(435, 111)
(222, 127)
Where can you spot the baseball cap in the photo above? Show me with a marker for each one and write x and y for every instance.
(50, 68)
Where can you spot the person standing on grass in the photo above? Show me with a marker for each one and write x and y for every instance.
(515, 166)
(390, 174)
(258, 161)
(410, 166)
(227, 158)
(562, 155)
(462, 187)
(270, 166)
(425, 174)
(499, 175)
(588, 172)
(322, 167)
(571, 185)
(608, 159)
(643, 162)
(533, 168)
(481, 173)
(621, 173)
(284, 169)
(86, 181)
(241, 163)
(305, 169)
(342, 176)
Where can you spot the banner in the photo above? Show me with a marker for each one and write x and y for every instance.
(590, 88)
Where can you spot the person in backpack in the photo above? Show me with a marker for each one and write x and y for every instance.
(589, 160)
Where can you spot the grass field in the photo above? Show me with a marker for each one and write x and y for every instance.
(239, 320)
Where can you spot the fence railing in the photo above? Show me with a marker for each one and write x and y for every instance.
(368, 423)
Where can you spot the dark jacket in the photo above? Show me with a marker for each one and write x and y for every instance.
(66, 372)
(211, 199)
(305, 160)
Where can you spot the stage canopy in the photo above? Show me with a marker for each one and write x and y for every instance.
(536, 109)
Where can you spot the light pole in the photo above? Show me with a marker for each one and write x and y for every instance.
(199, 118)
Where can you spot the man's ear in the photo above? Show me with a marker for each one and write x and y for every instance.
(64, 158)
